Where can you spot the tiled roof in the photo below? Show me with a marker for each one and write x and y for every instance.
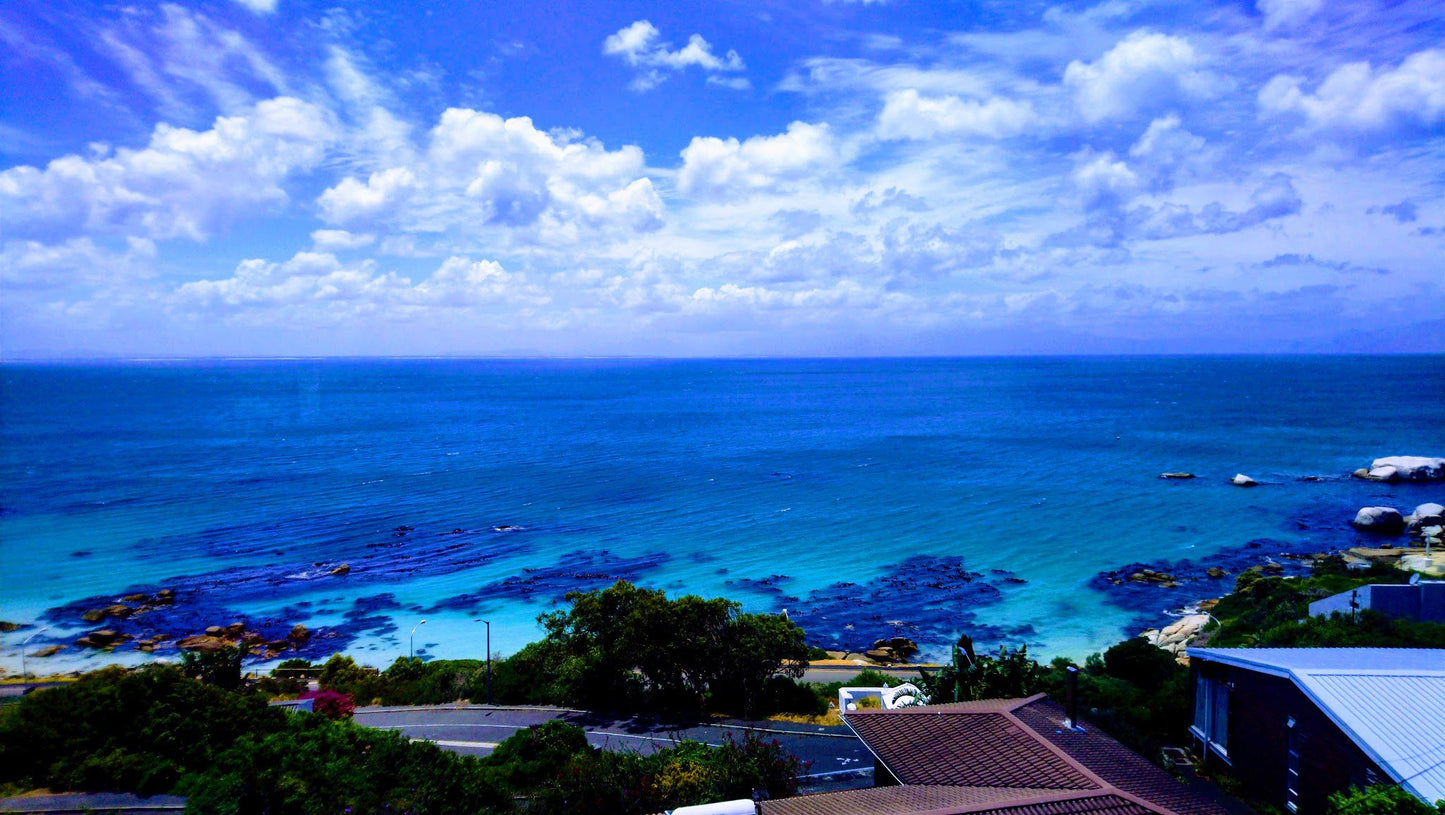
(951, 800)
(1002, 757)
(964, 747)
(1387, 700)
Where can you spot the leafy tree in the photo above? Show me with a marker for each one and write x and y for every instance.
(1381, 799)
(221, 667)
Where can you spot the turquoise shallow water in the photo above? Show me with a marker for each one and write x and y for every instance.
(976, 494)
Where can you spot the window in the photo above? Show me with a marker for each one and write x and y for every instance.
(1211, 715)
(1291, 769)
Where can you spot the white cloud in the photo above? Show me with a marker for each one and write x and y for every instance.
(640, 46)
(479, 171)
(1144, 70)
(32, 266)
(259, 6)
(317, 287)
(713, 166)
(326, 240)
(907, 115)
(1287, 13)
(1167, 152)
(1358, 97)
(184, 184)
(352, 201)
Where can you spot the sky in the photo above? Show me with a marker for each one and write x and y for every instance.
(721, 178)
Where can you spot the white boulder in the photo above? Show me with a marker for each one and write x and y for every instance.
(1407, 468)
(1385, 520)
(1242, 480)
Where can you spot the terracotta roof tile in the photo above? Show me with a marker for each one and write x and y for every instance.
(954, 801)
(1112, 762)
(958, 748)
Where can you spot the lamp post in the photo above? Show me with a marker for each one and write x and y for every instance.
(489, 660)
(411, 640)
(24, 669)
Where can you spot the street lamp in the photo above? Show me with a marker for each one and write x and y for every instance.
(489, 659)
(411, 640)
(24, 669)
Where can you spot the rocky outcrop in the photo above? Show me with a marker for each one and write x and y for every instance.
(1177, 636)
(1404, 468)
(1380, 520)
(204, 643)
(1242, 480)
(105, 638)
(341, 571)
(47, 651)
(299, 633)
(1425, 515)
(897, 649)
(1176, 476)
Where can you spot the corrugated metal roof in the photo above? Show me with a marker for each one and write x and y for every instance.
(1399, 719)
(1285, 660)
(1389, 701)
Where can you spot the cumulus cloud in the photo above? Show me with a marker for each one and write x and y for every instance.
(1167, 153)
(1146, 70)
(908, 115)
(640, 45)
(259, 6)
(326, 240)
(318, 286)
(185, 183)
(719, 167)
(479, 170)
(1287, 13)
(1108, 188)
(1360, 98)
(33, 266)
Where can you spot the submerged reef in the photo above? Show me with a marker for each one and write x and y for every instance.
(577, 571)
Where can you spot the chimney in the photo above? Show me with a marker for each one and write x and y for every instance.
(1072, 701)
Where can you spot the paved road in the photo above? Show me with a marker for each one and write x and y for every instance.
(838, 759)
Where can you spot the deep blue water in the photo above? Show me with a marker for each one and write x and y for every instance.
(973, 494)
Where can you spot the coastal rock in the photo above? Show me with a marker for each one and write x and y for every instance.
(105, 638)
(234, 630)
(879, 655)
(1382, 520)
(1432, 565)
(135, 598)
(47, 651)
(119, 611)
(1405, 468)
(6, 626)
(1426, 515)
(343, 569)
(1176, 636)
(1242, 480)
(214, 631)
(1215, 572)
(299, 633)
(1177, 476)
(203, 643)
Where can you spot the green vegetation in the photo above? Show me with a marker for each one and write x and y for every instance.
(156, 730)
(1266, 611)
(625, 648)
(1382, 799)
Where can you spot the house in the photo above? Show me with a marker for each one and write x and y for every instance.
(1421, 601)
(1014, 756)
(1296, 724)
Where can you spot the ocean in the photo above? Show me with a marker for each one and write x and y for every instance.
(869, 498)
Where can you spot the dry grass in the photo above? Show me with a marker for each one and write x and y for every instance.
(829, 719)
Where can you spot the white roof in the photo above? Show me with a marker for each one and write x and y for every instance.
(1389, 701)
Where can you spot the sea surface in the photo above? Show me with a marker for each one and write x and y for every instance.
(869, 498)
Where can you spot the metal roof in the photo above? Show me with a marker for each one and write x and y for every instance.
(1283, 661)
(1389, 701)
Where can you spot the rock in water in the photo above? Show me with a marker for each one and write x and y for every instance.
(1405, 468)
(1242, 480)
(1177, 476)
(1384, 520)
(1426, 515)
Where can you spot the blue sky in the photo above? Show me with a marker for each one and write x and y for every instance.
(275, 177)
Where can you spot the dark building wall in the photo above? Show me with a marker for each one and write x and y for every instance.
(1260, 707)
